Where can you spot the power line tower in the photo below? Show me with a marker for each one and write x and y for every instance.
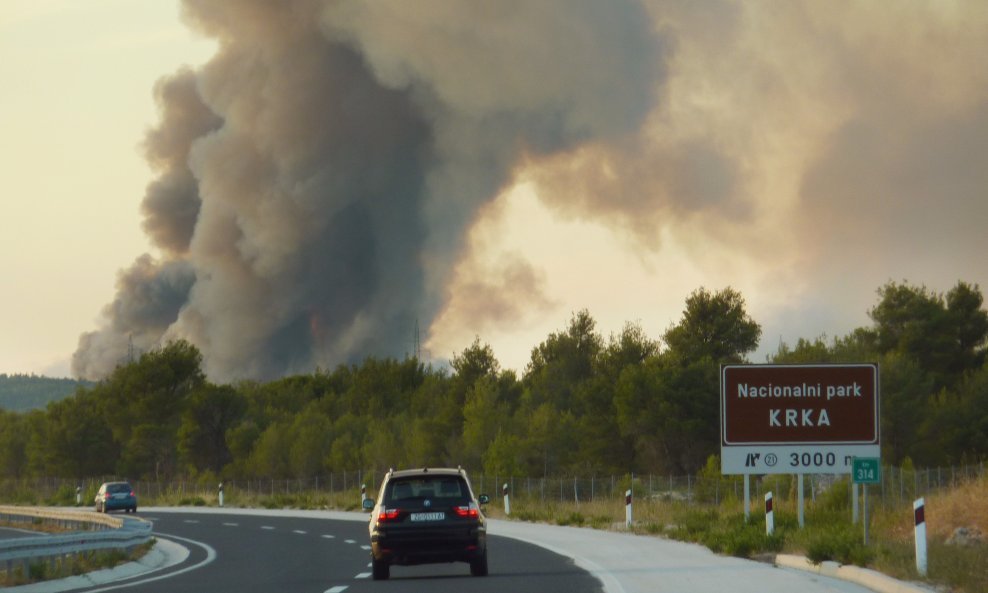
(417, 345)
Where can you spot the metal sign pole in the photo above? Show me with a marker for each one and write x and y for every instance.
(802, 522)
(865, 488)
(747, 498)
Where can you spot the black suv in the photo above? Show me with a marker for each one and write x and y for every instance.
(427, 516)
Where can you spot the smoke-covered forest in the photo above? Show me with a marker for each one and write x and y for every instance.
(584, 403)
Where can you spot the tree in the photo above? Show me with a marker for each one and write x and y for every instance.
(14, 437)
(202, 436)
(563, 361)
(945, 336)
(76, 440)
(670, 412)
(142, 404)
(714, 326)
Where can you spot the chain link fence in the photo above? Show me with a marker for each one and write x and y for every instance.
(897, 485)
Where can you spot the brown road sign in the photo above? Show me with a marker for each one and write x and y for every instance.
(798, 418)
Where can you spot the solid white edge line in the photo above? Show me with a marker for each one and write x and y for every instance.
(210, 557)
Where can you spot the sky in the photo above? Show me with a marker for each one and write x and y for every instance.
(310, 185)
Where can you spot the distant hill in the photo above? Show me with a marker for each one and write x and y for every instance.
(19, 393)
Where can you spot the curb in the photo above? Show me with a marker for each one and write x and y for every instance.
(164, 553)
(874, 580)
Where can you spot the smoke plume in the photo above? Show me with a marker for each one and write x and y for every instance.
(316, 178)
(342, 172)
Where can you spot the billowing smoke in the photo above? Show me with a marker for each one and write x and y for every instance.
(316, 178)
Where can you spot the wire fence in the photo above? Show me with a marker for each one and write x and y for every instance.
(897, 485)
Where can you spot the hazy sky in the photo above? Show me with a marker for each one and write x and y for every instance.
(803, 153)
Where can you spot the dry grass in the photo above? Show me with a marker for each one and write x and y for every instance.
(964, 506)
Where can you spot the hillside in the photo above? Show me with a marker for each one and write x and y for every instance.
(19, 393)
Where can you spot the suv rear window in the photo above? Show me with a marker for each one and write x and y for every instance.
(439, 488)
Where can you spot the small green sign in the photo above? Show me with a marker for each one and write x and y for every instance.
(866, 470)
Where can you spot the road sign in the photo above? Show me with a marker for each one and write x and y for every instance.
(866, 470)
(798, 419)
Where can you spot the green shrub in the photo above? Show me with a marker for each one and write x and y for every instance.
(839, 544)
(574, 518)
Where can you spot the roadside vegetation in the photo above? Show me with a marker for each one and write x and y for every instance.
(73, 565)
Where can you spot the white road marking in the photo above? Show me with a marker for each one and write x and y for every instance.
(337, 589)
(362, 575)
(210, 557)
(300, 532)
(267, 527)
(349, 541)
(365, 547)
(232, 524)
(327, 536)
(191, 521)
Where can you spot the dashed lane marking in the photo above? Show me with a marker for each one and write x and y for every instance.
(327, 536)
(267, 527)
(337, 589)
(232, 524)
(362, 575)
(349, 541)
(299, 531)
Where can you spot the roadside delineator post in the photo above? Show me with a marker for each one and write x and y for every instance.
(919, 515)
(363, 493)
(221, 494)
(769, 515)
(627, 508)
(78, 495)
(507, 499)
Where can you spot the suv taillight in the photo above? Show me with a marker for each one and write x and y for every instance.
(468, 512)
(388, 515)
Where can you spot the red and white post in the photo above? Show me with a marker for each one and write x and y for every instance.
(769, 515)
(507, 499)
(919, 514)
(627, 508)
(363, 493)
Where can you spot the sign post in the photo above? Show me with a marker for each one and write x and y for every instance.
(866, 470)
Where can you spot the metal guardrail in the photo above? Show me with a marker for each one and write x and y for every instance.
(92, 532)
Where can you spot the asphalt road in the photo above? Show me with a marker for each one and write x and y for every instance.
(249, 553)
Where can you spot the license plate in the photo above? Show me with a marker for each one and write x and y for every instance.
(428, 516)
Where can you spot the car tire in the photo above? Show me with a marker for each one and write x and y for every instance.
(478, 566)
(381, 571)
